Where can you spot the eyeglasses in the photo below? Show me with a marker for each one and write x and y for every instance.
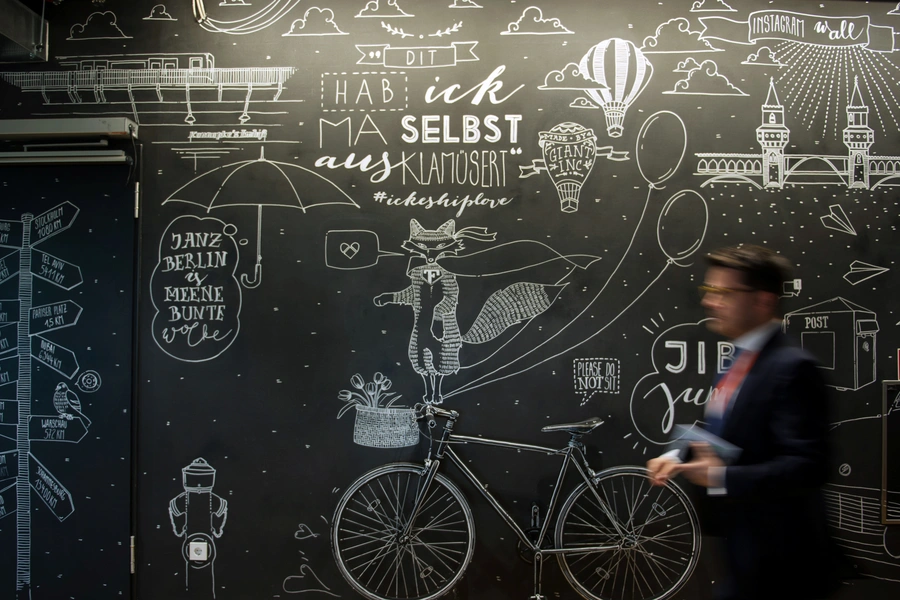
(720, 291)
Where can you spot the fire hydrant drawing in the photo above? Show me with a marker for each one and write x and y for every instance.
(198, 516)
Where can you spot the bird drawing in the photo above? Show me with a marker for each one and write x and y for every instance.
(65, 400)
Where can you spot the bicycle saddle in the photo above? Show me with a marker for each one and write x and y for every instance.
(580, 428)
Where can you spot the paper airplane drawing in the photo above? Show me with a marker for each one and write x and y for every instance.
(838, 220)
(860, 271)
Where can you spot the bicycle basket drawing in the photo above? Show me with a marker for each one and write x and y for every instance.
(385, 427)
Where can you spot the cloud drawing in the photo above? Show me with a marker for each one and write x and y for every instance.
(675, 35)
(383, 9)
(706, 81)
(532, 22)
(315, 21)
(99, 26)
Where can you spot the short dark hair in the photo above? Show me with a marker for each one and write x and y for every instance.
(761, 268)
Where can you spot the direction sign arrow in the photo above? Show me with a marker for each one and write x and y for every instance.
(8, 500)
(9, 311)
(9, 337)
(59, 218)
(9, 370)
(11, 234)
(9, 266)
(54, 316)
(55, 270)
(55, 428)
(9, 464)
(52, 492)
(59, 358)
(9, 412)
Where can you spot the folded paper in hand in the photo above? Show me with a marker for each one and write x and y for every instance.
(683, 435)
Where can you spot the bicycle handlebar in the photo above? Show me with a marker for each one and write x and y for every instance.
(429, 412)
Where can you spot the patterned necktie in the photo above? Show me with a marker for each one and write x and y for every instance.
(725, 390)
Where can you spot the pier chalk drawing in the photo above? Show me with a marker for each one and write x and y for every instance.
(140, 85)
(194, 290)
(198, 516)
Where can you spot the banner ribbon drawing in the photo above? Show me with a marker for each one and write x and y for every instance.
(537, 165)
(419, 57)
(836, 32)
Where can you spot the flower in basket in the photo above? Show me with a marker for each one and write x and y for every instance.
(373, 394)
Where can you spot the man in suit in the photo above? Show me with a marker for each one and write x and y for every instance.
(771, 403)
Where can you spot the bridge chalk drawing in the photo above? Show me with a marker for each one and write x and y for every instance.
(23, 327)
(775, 168)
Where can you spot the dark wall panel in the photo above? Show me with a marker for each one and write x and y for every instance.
(303, 162)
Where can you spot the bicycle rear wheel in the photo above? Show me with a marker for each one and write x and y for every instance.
(656, 552)
(368, 521)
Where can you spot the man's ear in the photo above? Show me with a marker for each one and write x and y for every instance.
(768, 302)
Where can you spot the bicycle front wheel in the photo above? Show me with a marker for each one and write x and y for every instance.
(654, 549)
(367, 527)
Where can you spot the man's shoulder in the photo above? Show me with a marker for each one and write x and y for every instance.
(782, 350)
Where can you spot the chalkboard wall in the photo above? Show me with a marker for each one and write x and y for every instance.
(313, 171)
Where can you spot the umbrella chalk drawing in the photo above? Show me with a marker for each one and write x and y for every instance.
(209, 191)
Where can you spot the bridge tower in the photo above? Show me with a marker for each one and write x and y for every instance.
(858, 137)
(772, 135)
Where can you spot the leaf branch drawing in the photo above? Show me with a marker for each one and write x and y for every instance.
(448, 31)
(398, 31)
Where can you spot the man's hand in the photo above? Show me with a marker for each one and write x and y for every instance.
(698, 470)
(663, 468)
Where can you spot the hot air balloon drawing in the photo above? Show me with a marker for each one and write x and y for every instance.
(622, 72)
(569, 154)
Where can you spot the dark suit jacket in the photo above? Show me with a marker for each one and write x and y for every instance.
(773, 516)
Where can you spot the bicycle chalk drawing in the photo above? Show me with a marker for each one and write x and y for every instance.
(405, 531)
